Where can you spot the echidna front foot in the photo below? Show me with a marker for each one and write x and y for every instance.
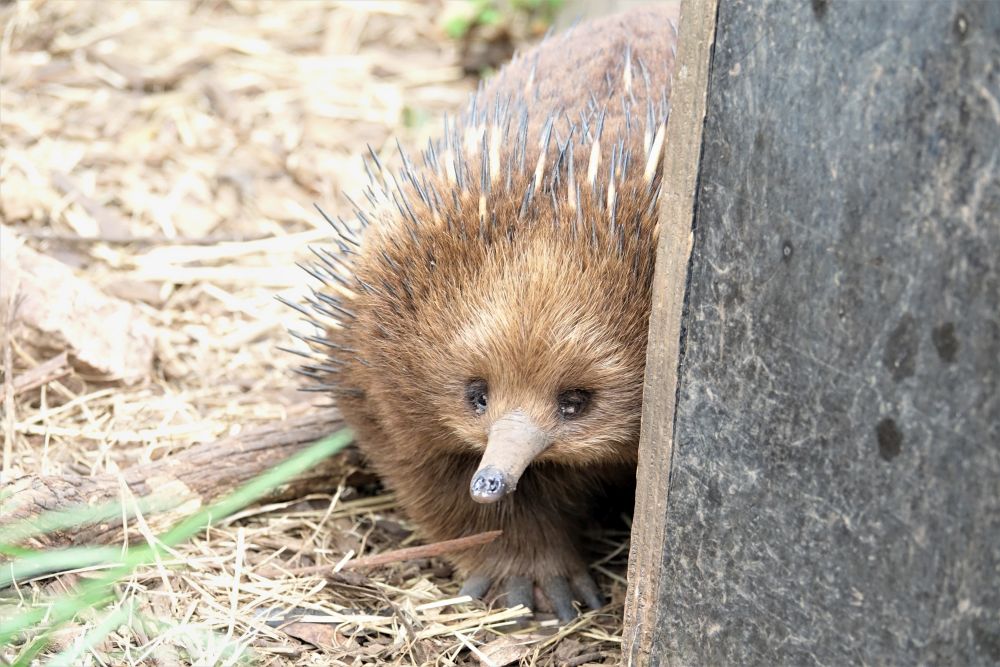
(560, 591)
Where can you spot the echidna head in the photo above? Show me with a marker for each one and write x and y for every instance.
(545, 363)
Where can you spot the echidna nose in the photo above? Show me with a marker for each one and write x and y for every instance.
(488, 485)
(513, 443)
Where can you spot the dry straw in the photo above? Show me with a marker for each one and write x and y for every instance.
(170, 152)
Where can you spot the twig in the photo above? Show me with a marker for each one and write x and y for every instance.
(8, 380)
(409, 553)
(150, 239)
(425, 550)
(55, 368)
(583, 658)
(108, 220)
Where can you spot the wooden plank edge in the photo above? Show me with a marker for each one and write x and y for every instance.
(682, 157)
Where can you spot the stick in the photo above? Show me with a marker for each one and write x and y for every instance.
(410, 553)
(149, 239)
(8, 380)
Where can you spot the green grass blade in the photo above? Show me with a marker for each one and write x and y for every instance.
(259, 486)
(54, 520)
(97, 592)
(112, 620)
(56, 560)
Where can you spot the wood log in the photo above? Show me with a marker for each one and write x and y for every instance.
(188, 480)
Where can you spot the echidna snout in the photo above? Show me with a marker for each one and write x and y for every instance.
(514, 442)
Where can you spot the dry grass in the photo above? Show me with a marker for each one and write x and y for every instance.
(170, 152)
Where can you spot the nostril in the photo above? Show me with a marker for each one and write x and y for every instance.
(488, 485)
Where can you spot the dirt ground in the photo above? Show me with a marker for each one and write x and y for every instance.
(169, 154)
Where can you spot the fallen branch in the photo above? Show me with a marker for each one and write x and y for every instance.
(179, 485)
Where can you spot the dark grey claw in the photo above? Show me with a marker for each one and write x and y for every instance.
(588, 591)
(476, 586)
(519, 590)
(561, 597)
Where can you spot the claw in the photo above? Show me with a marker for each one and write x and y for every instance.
(476, 586)
(519, 590)
(559, 595)
(588, 591)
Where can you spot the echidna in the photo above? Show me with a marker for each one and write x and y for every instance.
(482, 325)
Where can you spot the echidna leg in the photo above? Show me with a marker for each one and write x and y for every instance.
(540, 524)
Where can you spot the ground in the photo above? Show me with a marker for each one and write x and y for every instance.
(169, 154)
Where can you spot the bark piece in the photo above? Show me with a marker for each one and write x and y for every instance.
(101, 333)
(321, 635)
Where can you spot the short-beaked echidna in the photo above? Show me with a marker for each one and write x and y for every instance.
(482, 324)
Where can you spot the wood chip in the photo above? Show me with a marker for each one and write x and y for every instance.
(506, 650)
(320, 635)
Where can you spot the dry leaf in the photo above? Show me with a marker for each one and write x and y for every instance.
(321, 635)
(506, 650)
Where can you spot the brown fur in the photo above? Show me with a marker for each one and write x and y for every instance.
(453, 282)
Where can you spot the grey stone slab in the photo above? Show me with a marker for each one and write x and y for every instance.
(835, 487)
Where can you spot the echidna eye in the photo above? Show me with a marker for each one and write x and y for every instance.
(476, 395)
(573, 403)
